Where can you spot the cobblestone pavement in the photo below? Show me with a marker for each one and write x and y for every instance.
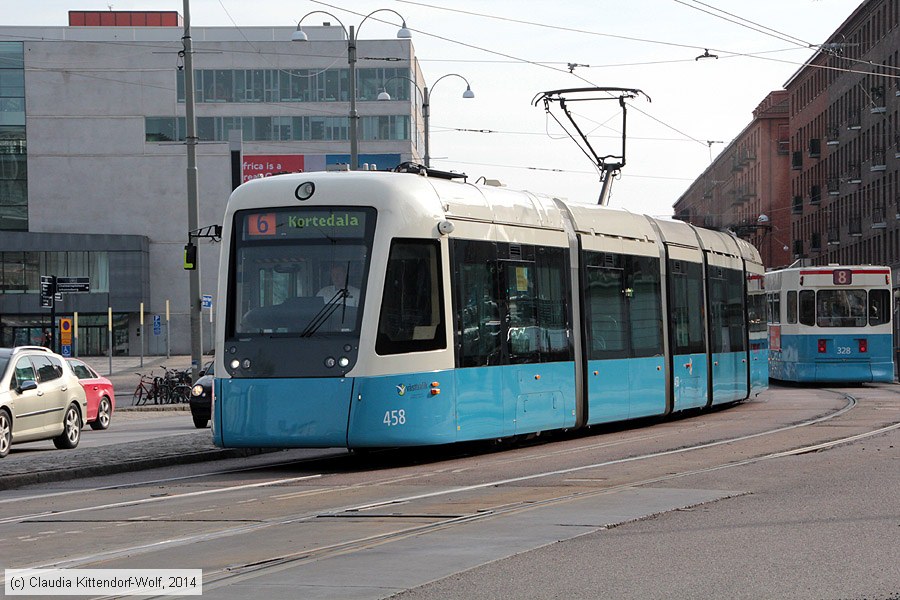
(58, 465)
(191, 447)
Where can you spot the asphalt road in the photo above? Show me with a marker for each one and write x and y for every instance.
(690, 508)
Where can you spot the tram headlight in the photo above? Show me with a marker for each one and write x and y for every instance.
(330, 362)
(305, 190)
(343, 361)
(235, 364)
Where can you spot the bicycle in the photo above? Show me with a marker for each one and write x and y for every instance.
(144, 391)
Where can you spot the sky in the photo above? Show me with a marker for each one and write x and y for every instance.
(512, 50)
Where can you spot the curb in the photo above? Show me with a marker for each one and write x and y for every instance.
(68, 469)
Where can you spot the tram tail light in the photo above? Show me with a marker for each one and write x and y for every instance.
(863, 345)
(823, 346)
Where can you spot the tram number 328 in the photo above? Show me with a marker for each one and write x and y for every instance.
(843, 349)
(392, 418)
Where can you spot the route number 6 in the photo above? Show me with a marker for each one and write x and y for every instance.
(392, 418)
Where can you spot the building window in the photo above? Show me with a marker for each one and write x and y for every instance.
(20, 272)
(284, 129)
(13, 155)
(796, 160)
(295, 85)
(815, 148)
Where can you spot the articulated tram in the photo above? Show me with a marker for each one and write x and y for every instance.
(830, 324)
(374, 309)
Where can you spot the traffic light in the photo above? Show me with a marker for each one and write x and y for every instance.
(190, 257)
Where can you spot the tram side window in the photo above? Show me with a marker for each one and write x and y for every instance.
(687, 307)
(536, 307)
(879, 307)
(791, 306)
(734, 312)
(623, 306)
(479, 327)
(807, 307)
(605, 310)
(412, 314)
(552, 304)
(718, 308)
(513, 310)
(756, 308)
(773, 304)
(645, 306)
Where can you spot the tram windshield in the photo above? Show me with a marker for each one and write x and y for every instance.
(847, 308)
(300, 271)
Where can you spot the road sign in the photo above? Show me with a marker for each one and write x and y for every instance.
(73, 285)
(207, 301)
(66, 350)
(157, 325)
(48, 290)
(65, 331)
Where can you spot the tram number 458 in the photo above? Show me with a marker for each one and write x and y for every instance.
(392, 418)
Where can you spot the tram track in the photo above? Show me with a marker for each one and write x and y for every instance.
(380, 509)
(256, 569)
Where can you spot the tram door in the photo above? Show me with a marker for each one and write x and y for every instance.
(687, 316)
(536, 335)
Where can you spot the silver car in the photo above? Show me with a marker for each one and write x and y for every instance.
(40, 398)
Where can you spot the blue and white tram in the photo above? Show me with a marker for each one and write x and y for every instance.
(370, 309)
(830, 324)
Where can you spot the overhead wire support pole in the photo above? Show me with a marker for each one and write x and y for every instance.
(609, 165)
(193, 205)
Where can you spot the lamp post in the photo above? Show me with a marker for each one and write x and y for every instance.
(426, 105)
(300, 36)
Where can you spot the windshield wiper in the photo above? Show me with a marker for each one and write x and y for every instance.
(325, 313)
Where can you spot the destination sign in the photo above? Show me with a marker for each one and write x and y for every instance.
(304, 224)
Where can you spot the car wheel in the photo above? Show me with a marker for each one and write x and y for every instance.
(104, 414)
(71, 434)
(200, 422)
(5, 432)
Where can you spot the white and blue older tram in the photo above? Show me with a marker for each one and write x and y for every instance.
(830, 324)
(369, 309)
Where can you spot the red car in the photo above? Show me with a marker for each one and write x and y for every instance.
(101, 401)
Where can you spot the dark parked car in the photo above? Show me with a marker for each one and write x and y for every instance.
(201, 397)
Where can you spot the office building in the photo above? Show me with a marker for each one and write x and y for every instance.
(93, 162)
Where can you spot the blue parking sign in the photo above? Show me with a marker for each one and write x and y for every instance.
(157, 325)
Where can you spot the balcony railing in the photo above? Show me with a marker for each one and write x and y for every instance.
(834, 236)
(878, 221)
(854, 226)
(833, 136)
(833, 185)
(854, 119)
(854, 173)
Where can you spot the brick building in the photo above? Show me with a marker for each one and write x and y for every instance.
(845, 143)
(747, 187)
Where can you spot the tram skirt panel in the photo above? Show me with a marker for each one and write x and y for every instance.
(282, 413)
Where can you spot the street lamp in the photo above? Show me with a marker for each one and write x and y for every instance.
(300, 36)
(426, 104)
